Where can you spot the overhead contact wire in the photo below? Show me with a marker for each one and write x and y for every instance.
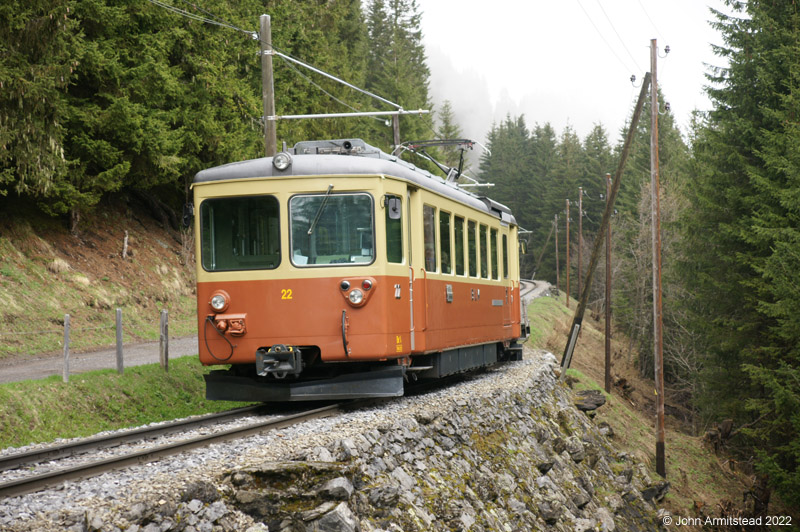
(618, 35)
(283, 55)
(277, 51)
(331, 96)
(600, 33)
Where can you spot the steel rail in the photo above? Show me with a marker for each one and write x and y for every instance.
(13, 461)
(530, 286)
(39, 482)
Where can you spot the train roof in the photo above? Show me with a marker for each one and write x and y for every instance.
(351, 156)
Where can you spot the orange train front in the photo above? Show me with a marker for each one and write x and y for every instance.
(335, 270)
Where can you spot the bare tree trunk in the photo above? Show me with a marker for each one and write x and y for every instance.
(761, 495)
(74, 219)
(125, 246)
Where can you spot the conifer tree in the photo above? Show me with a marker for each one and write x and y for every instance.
(396, 66)
(38, 40)
(742, 238)
(506, 164)
(448, 129)
(99, 96)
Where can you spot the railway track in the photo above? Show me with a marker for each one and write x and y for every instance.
(54, 476)
(32, 480)
(39, 481)
(526, 287)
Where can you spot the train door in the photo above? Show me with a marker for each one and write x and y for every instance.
(419, 256)
(509, 284)
(429, 268)
(410, 232)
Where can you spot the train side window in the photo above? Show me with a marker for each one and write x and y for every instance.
(493, 243)
(459, 236)
(473, 249)
(484, 253)
(394, 231)
(429, 230)
(241, 233)
(444, 240)
(505, 256)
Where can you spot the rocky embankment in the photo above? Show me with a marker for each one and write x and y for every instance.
(506, 451)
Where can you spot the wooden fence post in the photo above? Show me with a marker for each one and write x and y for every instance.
(164, 340)
(120, 366)
(66, 348)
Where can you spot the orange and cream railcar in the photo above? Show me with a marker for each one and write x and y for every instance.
(334, 270)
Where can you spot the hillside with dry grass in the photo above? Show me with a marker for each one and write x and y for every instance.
(704, 481)
(46, 271)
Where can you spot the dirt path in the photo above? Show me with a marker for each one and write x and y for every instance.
(132, 354)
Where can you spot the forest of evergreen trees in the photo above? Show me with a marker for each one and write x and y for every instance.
(102, 97)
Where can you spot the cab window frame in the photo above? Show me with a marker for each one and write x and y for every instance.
(397, 225)
(209, 251)
(332, 195)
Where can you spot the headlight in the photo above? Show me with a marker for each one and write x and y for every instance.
(282, 160)
(356, 296)
(218, 302)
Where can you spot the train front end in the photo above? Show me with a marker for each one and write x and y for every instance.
(294, 290)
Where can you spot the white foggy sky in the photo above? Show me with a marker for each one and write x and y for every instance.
(546, 60)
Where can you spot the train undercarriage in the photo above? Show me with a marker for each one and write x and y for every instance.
(282, 374)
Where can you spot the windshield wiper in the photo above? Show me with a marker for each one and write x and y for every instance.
(319, 211)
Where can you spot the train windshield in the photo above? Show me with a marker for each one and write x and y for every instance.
(331, 229)
(241, 233)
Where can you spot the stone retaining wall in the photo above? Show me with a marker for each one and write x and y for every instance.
(514, 460)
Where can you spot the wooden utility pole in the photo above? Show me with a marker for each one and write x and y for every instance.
(580, 237)
(267, 87)
(544, 248)
(567, 252)
(577, 320)
(658, 351)
(558, 281)
(608, 290)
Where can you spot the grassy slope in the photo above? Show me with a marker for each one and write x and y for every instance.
(702, 483)
(46, 272)
(47, 409)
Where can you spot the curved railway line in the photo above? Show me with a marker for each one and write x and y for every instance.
(40, 481)
(526, 287)
(34, 481)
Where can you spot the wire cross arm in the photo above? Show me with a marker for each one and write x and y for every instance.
(344, 115)
(334, 78)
